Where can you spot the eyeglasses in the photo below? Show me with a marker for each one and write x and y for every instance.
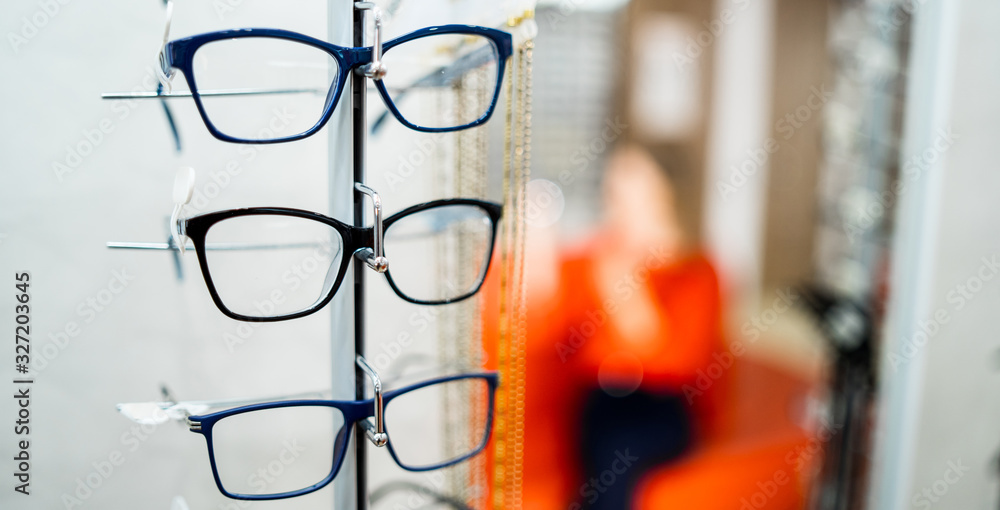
(260, 85)
(266, 264)
(290, 448)
(297, 257)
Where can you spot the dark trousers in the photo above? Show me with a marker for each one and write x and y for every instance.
(622, 438)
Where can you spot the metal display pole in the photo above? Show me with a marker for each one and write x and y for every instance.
(358, 89)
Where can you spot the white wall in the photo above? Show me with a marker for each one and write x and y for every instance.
(157, 330)
(937, 442)
(740, 123)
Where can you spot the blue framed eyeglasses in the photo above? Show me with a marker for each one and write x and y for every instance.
(290, 448)
(261, 85)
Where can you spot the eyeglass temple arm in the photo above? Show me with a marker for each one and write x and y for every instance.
(170, 118)
(374, 256)
(162, 93)
(170, 245)
(375, 431)
(170, 409)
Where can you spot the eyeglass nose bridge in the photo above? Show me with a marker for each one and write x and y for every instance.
(374, 256)
(375, 431)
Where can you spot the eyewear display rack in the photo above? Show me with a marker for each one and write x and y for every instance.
(503, 326)
(359, 87)
(504, 462)
(347, 142)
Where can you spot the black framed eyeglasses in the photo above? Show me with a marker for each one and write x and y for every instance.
(301, 257)
(266, 264)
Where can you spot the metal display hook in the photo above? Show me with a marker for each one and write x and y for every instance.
(375, 70)
(374, 430)
(374, 256)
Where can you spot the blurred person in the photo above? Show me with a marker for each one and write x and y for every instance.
(633, 315)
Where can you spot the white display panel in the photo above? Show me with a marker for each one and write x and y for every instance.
(111, 326)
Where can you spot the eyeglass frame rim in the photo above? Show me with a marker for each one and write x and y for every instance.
(354, 240)
(353, 411)
(179, 54)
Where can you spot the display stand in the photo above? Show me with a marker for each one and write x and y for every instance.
(359, 85)
(494, 478)
(508, 429)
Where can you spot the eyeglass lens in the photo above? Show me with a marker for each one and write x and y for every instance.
(277, 450)
(439, 254)
(287, 449)
(439, 423)
(285, 86)
(441, 81)
(271, 265)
